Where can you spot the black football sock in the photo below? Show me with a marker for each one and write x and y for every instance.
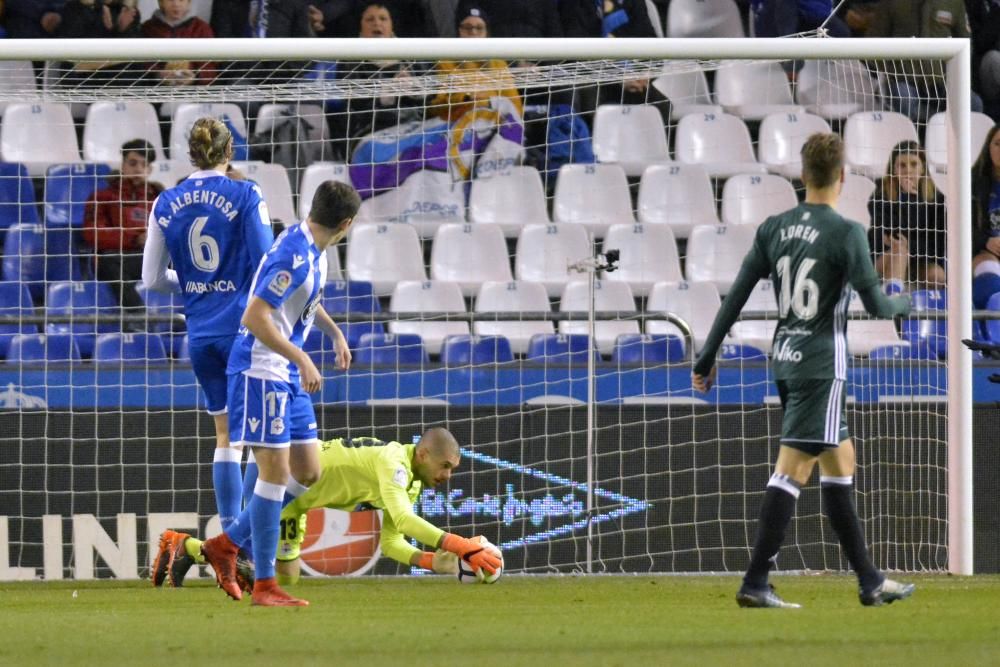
(838, 500)
(775, 513)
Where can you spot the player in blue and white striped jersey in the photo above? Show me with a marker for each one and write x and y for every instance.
(214, 230)
(270, 377)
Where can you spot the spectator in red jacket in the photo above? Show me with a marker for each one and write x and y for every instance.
(115, 223)
(175, 19)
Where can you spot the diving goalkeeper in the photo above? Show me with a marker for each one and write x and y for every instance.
(365, 471)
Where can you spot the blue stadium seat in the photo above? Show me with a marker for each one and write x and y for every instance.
(465, 350)
(182, 348)
(355, 331)
(993, 326)
(647, 349)
(15, 300)
(81, 298)
(390, 350)
(730, 351)
(350, 296)
(17, 196)
(162, 303)
(68, 187)
(560, 348)
(61, 262)
(24, 257)
(929, 334)
(129, 348)
(912, 351)
(42, 348)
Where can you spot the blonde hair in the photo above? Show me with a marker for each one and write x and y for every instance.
(822, 159)
(210, 143)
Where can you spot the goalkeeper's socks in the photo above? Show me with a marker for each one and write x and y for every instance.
(775, 513)
(228, 484)
(249, 478)
(265, 513)
(838, 500)
(293, 491)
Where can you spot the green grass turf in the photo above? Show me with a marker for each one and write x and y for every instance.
(549, 621)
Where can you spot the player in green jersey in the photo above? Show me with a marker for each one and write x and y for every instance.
(814, 257)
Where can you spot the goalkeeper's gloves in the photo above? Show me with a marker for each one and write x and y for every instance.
(471, 552)
(440, 562)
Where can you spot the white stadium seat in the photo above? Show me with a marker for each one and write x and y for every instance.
(714, 254)
(748, 199)
(511, 198)
(757, 333)
(426, 199)
(334, 272)
(677, 195)
(384, 254)
(110, 124)
(753, 90)
(470, 255)
(17, 78)
(315, 174)
(608, 296)
(869, 137)
(429, 296)
(718, 142)
(186, 114)
(631, 135)
(683, 82)
(863, 336)
(695, 303)
(169, 173)
(936, 140)
(545, 251)
(515, 297)
(274, 183)
(853, 202)
(593, 195)
(835, 89)
(780, 140)
(648, 254)
(38, 135)
(704, 18)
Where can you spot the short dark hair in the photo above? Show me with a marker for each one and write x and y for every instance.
(140, 146)
(822, 159)
(333, 203)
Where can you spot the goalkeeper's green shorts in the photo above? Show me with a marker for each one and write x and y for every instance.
(291, 533)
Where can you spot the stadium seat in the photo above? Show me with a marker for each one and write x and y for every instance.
(677, 195)
(470, 255)
(162, 304)
(609, 296)
(17, 78)
(647, 255)
(545, 251)
(753, 90)
(835, 89)
(15, 301)
(426, 200)
(313, 125)
(903, 351)
(683, 82)
(560, 349)
(719, 142)
(169, 173)
(334, 271)
(929, 334)
(757, 333)
(647, 349)
(17, 196)
(38, 135)
(512, 199)
(936, 139)
(384, 254)
(630, 135)
(81, 299)
(350, 296)
(869, 137)
(704, 18)
(863, 336)
(695, 303)
(853, 202)
(432, 296)
(184, 116)
(110, 124)
(68, 188)
(515, 297)
(277, 189)
(42, 348)
(24, 257)
(475, 350)
(749, 199)
(993, 326)
(118, 348)
(714, 254)
(593, 195)
(780, 140)
(734, 352)
(390, 350)
(315, 174)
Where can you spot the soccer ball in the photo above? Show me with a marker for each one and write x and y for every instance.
(468, 575)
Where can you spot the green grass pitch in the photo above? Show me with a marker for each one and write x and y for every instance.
(550, 621)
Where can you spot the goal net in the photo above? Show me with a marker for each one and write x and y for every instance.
(546, 234)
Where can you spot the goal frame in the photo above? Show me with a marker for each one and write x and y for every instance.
(954, 52)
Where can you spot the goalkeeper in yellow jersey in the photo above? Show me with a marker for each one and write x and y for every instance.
(365, 471)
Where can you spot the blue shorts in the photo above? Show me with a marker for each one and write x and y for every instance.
(209, 358)
(269, 413)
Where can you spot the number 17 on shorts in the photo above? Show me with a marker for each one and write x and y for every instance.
(258, 412)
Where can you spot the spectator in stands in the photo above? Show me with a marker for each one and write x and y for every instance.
(518, 18)
(174, 18)
(908, 233)
(99, 18)
(339, 18)
(115, 223)
(986, 220)
(985, 16)
(779, 18)
(231, 18)
(32, 19)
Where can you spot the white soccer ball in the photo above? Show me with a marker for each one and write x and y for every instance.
(468, 575)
